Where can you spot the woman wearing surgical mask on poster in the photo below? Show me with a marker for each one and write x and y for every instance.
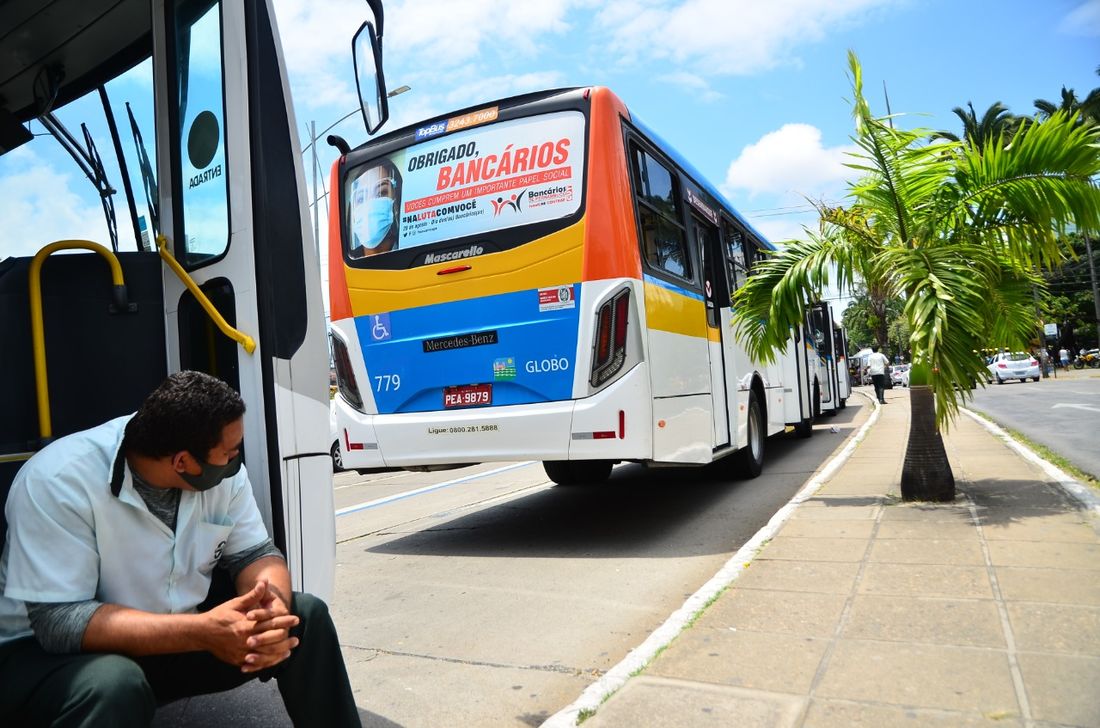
(374, 224)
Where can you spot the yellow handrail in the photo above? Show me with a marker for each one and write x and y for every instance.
(246, 341)
(38, 334)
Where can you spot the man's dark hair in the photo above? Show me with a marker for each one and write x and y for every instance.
(188, 411)
(874, 349)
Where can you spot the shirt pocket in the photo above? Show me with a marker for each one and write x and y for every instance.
(206, 545)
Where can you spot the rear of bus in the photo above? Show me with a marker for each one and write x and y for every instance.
(480, 311)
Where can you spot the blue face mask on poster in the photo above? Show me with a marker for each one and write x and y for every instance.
(379, 220)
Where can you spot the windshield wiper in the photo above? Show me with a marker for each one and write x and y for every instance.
(148, 179)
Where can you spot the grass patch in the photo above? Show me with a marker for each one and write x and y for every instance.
(585, 715)
(1045, 452)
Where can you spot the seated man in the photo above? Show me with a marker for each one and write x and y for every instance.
(113, 537)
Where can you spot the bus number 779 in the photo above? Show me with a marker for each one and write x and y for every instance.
(387, 382)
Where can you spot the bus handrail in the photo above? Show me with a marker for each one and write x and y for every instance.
(38, 333)
(246, 341)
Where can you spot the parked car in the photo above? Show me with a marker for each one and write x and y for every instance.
(1013, 365)
(899, 375)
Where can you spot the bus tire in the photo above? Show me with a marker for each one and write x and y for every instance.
(750, 459)
(805, 428)
(577, 472)
(337, 458)
(843, 403)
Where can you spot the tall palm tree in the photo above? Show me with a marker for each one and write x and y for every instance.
(996, 125)
(957, 230)
(1082, 111)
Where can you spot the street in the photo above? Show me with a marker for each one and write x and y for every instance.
(497, 599)
(1063, 414)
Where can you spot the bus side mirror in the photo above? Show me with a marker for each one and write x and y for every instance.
(367, 53)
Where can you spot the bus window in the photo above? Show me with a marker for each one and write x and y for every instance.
(475, 182)
(735, 257)
(664, 243)
(204, 186)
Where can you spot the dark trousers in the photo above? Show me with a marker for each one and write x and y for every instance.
(41, 689)
(880, 386)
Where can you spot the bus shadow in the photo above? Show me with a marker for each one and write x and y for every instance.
(639, 512)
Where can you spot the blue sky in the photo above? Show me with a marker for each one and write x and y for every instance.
(752, 92)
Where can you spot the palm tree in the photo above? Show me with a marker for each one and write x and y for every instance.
(1082, 111)
(996, 125)
(959, 232)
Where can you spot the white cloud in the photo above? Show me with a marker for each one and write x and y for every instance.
(692, 82)
(791, 160)
(736, 37)
(38, 205)
(1083, 20)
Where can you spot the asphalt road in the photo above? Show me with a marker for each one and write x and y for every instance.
(1063, 414)
(496, 600)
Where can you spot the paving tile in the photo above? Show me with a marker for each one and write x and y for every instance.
(835, 512)
(932, 551)
(1066, 527)
(965, 623)
(1062, 688)
(815, 549)
(960, 582)
(833, 528)
(943, 530)
(846, 714)
(758, 610)
(809, 576)
(1056, 628)
(1059, 586)
(775, 662)
(929, 676)
(661, 703)
(1049, 554)
(927, 512)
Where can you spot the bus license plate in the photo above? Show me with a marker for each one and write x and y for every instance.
(468, 395)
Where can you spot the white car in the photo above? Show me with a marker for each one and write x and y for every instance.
(900, 375)
(1015, 365)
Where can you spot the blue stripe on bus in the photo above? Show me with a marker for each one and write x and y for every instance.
(531, 361)
(673, 287)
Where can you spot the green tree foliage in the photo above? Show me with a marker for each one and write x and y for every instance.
(996, 126)
(958, 231)
(865, 321)
(1068, 301)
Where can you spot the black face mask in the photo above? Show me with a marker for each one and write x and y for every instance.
(211, 475)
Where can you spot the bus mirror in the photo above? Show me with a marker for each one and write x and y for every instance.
(367, 54)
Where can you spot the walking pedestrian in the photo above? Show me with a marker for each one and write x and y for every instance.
(876, 365)
(1064, 356)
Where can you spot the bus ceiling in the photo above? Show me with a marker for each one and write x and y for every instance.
(52, 52)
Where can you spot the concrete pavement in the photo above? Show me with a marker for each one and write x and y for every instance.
(866, 611)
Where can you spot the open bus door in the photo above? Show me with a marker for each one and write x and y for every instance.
(224, 201)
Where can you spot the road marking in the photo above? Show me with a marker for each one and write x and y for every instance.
(427, 489)
(1086, 407)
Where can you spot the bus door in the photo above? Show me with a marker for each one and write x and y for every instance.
(717, 312)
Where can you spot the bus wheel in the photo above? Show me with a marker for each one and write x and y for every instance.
(750, 459)
(577, 472)
(843, 403)
(805, 428)
(337, 458)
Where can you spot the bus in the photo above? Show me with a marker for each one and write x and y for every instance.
(178, 114)
(543, 278)
(826, 339)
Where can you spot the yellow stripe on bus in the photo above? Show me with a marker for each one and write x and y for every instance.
(557, 259)
(675, 313)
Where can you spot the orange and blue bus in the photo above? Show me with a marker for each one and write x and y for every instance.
(543, 278)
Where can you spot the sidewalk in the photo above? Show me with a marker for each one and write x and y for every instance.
(865, 611)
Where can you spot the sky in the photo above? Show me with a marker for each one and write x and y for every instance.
(755, 94)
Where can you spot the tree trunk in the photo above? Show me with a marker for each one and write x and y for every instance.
(926, 474)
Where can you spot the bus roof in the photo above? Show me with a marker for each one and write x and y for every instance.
(80, 43)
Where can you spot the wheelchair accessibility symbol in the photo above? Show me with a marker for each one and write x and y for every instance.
(380, 327)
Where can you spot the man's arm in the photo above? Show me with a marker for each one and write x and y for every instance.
(225, 631)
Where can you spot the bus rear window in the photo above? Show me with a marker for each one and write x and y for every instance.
(473, 182)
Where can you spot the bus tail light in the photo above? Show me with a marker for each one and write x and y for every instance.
(345, 375)
(609, 347)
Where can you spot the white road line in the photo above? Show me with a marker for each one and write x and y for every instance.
(641, 655)
(427, 489)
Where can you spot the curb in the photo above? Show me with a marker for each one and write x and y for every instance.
(615, 678)
(1077, 490)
